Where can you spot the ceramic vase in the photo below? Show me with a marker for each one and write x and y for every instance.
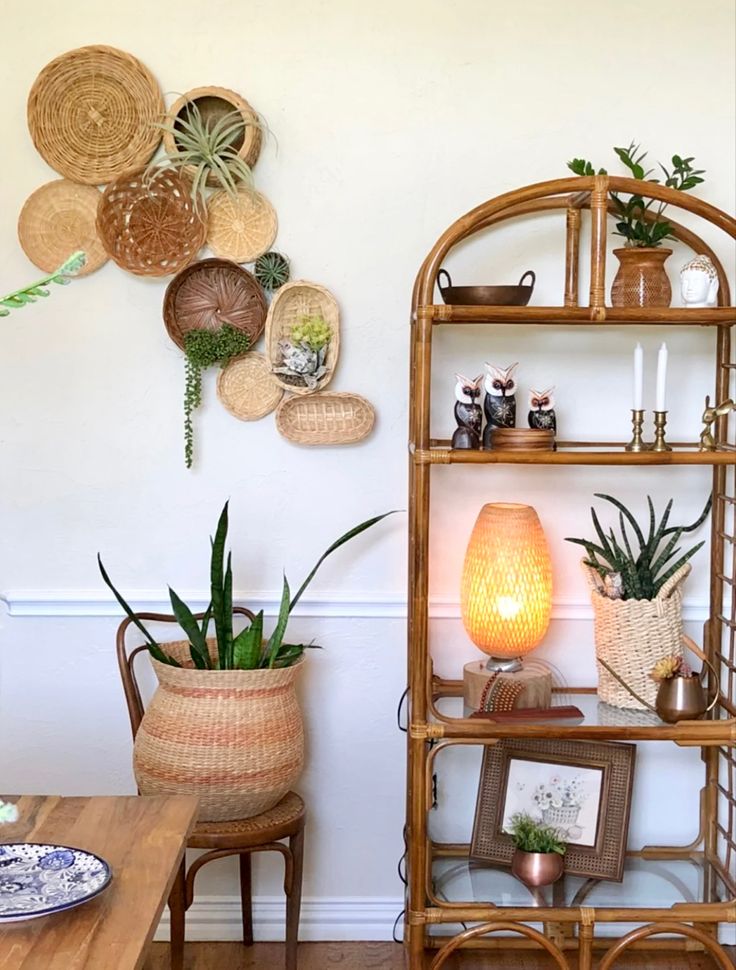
(641, 279)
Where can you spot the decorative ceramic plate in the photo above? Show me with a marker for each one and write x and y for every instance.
(37, 879)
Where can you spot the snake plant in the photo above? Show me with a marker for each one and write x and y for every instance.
(29, 294)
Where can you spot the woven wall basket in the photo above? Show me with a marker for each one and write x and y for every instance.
(148, 224)
(233, 738)
(632, 635)
(241, 227)
(58, 219)
(325, 419)
(292, 302)
(246, 387)
(213, 103)
(92, 114)
(209, 293)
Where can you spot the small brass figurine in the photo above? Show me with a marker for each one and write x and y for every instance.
(707, 439)
(468, 412)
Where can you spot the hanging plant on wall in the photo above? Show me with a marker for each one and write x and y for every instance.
(31, 293)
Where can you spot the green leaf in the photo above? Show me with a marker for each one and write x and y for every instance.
(276, 638)
(185, 619)
(217, 583)
(227, 612)
(622, 508)
(680, 562)
(247, 645)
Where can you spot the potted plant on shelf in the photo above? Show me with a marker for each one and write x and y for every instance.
(635, 584)
(224, 723)
(539, 851)
(641, 279)
(304, 353)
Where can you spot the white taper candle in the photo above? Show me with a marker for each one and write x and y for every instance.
(661, 378)
(638, 377)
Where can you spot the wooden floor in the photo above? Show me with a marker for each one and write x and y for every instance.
(385, 956)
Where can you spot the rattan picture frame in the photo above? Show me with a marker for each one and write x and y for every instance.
(601, 853)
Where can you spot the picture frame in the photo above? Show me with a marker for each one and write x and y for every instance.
(581, 787)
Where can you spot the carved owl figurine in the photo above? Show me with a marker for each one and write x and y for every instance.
(468, 413)
(500, 400)
(542, 410)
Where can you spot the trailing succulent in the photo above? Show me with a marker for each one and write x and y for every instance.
(203, 348)
(640, 575)
(528, 835)
(638, 222)
(247, 650)
(29, 294)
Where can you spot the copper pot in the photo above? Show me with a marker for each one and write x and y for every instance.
(641, 279)
(681, 699)
(537, 868)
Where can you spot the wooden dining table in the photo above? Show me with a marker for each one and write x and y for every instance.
(142, 838)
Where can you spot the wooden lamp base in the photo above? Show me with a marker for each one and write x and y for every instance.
(528, 687)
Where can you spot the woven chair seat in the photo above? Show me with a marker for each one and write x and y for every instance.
(282, 818)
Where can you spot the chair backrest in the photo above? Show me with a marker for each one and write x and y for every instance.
(126, 660)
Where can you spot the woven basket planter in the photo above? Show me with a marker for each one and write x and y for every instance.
(92, 114)
(149, 225)
(233, 738)
(209, 293)
(242, 227)
(632, 635)
(247, 389)
(292, 302)
(325, 419)
(213, 103)
(58, 219)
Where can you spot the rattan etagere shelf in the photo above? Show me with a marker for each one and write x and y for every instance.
(451, 902)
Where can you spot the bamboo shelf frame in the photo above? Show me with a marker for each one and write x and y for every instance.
(432, 731)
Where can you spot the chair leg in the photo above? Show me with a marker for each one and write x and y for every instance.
(246, 897)
(177, 908)
(294, 900)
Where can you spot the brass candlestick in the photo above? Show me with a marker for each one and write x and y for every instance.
(660, 423)
(637, 423)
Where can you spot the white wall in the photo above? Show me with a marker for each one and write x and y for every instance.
(390, 119)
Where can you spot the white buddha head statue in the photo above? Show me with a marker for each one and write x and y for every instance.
(699, 282)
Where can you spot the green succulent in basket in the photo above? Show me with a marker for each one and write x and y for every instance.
(528, 835)
(638, 574)
(247, 650)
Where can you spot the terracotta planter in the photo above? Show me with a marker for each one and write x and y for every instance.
(537, 868)
(641, 279)
(233, 738)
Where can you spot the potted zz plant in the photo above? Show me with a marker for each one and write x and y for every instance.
(641, 279)
(539, 851)
(636, 591)
(224, 723)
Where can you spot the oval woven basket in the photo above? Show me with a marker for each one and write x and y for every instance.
(148, 223)
(292, 302)
(632, 635)
(246, 387)
(209, 293)
(92, 113)
(233, 738)
(58, 219)
(213, 103)
(325, 418)
(242, 226)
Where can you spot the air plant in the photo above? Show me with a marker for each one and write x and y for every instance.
(272, 270)
(638, 575)
(247, 650)
(29, 294)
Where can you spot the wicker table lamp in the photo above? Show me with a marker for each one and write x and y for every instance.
(506, 600)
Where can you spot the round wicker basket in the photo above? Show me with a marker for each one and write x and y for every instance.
(325, 419)
(292, 302)
(58, 219)
(92, 114)
(247, 389)
(209, 293)
(241, 227)
(213, 103)
(148, 223)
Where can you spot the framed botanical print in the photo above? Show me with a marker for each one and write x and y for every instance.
(581, 788)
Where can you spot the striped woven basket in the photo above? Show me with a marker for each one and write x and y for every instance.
(233, 738)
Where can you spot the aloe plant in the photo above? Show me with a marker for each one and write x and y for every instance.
(247, 650)
(639, 575)
(29, 294)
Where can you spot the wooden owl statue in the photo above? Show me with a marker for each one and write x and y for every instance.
(500, 400)
(467, 412)
(542, 410)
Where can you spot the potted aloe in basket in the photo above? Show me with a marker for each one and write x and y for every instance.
(224, 723)
(539, 851)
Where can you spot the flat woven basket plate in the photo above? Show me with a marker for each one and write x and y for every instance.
(241, 227)
(290, 304)
(246, 388)
(212, 292)
(92, 114)
(57, 220)
(325, 419)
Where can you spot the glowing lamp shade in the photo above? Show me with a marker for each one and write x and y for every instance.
(506, 594)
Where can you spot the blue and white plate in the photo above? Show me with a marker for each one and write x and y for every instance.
(37, 879)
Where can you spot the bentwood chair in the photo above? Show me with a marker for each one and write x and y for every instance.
(241, 837)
